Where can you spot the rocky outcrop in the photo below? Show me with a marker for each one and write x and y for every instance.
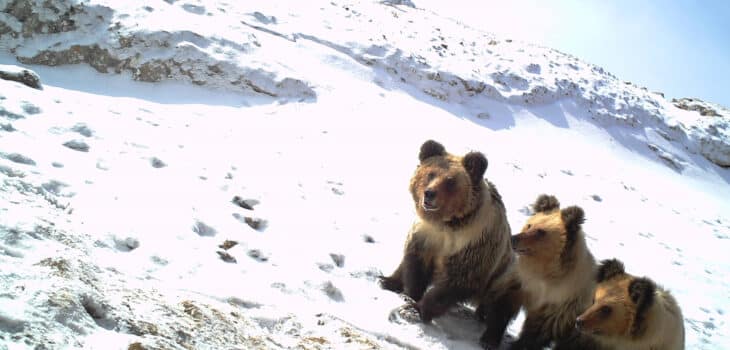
(21, 75)
(695, 104)
(55, 32)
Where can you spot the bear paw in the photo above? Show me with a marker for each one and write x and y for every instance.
(391, 284)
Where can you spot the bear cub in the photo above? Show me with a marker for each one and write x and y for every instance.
(632, 313)
(557, 273)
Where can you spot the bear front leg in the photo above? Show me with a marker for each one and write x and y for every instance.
(440, 299)
(394, 282)
(497, 314)
(412, 277)
(535, 334)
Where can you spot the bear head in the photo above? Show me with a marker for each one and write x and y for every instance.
(550, 233)
(447, 187)
(620, 305)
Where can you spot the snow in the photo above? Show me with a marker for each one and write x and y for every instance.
(120, 241)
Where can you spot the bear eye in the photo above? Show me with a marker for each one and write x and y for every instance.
(605, 311)
(431, 175)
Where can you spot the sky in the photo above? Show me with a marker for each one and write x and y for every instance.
(680, 48)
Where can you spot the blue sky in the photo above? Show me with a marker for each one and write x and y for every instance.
(681, 48)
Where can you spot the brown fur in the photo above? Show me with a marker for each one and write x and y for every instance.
(459, 245)
(632, 313)
(557, 273)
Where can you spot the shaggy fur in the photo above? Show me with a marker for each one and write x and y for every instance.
(632, 313)
(459, 245)
(557, 272)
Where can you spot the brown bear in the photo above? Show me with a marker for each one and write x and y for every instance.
(459, 245)
(632, 313)
(557, 273)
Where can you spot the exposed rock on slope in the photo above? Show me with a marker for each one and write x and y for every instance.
(21, 75)
(71, 32)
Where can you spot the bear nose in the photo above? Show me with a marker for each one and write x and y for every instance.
(578, 323)
(429, 195)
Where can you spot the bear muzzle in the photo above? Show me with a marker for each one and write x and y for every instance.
(429, 200)
(516, 240)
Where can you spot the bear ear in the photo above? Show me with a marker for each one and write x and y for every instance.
(475, 164)
(608, 269)
(573, 217)
(430, 149)
(641, 291)
(545, 203)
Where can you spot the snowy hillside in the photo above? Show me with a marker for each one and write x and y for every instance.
(216, 175)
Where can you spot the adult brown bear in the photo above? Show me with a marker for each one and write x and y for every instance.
(459, 245)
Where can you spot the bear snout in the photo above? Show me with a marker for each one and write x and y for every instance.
(429, 195)
(429, 200)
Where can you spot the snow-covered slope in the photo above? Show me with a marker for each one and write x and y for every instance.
(248, 188)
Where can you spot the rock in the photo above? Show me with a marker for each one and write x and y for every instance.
(694, 104)
(21, 75)
(255, 223)
(368, 239)
(227, 244)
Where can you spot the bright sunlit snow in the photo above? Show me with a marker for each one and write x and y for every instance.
(250, 195)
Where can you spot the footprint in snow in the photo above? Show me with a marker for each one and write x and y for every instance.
(257, 255)
(203, 229)
(338, 259)
(126, 244)
(332, 291)
(244, 203)
(30, 108)
(157, 163)
(82, 129)
(195, 9)
(77, 145)
(18, 158)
